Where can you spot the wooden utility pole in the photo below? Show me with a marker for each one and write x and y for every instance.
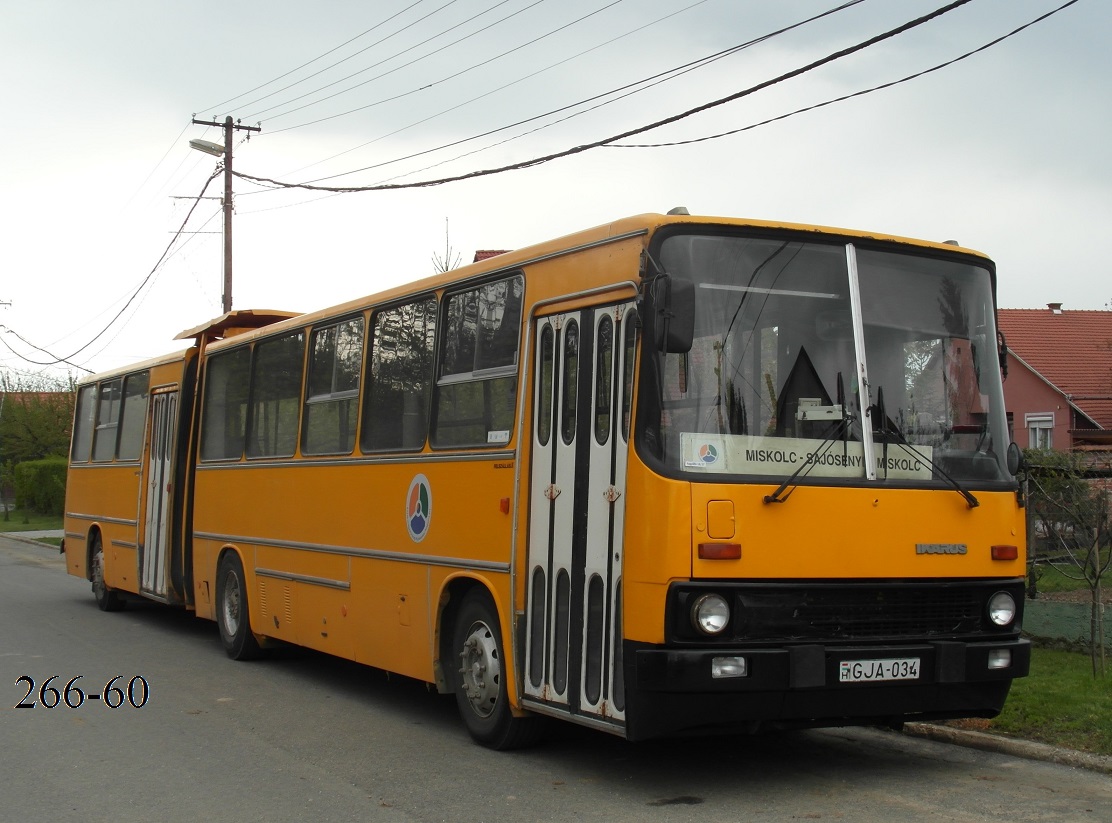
(229, 127)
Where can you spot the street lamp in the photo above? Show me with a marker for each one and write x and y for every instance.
(225, 151)
(208, 147)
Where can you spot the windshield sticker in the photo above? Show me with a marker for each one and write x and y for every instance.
(782, 456)
(707, 455)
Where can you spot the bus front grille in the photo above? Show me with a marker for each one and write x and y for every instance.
(840, 612)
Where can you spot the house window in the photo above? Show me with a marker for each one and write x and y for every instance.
(1040, 430)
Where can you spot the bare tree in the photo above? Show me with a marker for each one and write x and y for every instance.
(450, 260)
(1070, 507)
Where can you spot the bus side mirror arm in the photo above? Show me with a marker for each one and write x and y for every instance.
(673, 308)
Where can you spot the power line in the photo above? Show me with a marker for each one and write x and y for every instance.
(181, 247)
(26, 359)
(184, 169)
(315, 59)
(92, 320)
(443, 79)
(844, 97)
(536, 161)
(645, 83)
(189, 237)
(130, 300)
(391, 57)
(162, 160)
(508, 85)
(26, 376)
(629, 90)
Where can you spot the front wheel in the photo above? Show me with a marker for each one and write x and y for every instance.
(109, 600)
(232, 614)
(480, 679)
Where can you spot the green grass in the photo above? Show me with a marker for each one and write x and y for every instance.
(35, 522)
(1052, 580)
(1060, 703)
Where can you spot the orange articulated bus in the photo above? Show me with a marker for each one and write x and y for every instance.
(670, 475)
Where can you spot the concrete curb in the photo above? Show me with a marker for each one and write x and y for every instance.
(1011, 746)
(32, 538)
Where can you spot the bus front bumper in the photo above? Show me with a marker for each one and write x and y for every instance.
(680, 690)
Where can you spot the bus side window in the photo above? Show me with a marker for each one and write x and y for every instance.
(335, 361)
(571, 382)
(108, 420)
(629, 336)
(544, 403)
(133, 416)
(275, 397)
(399, 380)
(83, 420)
(604, 364)
(477, 373)
(224, 417)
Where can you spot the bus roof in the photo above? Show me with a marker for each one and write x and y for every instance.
(235, 322)
(246, 321)
(141, 365)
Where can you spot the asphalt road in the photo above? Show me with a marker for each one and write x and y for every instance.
(301, 736)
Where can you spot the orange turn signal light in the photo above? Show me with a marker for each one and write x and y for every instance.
(719, 551)
(1005, 552)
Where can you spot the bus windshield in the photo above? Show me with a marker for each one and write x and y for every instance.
(825, 360)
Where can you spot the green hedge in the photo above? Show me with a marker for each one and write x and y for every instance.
(40, 485)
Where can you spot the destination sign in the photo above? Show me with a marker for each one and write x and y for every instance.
(782, 456)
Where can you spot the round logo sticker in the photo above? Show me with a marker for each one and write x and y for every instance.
(418, 508)
(708, 453)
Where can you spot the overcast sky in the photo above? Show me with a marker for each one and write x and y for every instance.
(1006, 151)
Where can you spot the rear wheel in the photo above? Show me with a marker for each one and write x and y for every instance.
(480, 678)
(232, 614)
(109, 600)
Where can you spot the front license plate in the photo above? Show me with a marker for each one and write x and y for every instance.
(869, 671)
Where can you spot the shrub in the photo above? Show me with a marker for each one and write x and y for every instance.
(40, 485)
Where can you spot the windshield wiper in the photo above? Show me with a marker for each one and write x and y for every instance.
(840, 433)
(886, 428)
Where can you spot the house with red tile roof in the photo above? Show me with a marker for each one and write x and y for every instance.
(486, 254)
(1059, 386)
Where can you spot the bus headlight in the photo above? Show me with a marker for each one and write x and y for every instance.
(710, 614)
(1001, 609)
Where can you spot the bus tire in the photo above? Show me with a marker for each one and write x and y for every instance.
(479, 681)
(232, 614)
(108, 600)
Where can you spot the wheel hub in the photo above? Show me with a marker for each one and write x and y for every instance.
(231, 604)
(98, 572)
(480, 669)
